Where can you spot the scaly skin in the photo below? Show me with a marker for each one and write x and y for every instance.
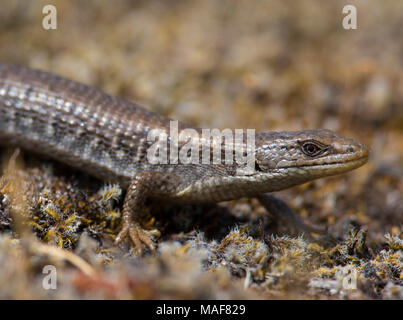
(106, 137)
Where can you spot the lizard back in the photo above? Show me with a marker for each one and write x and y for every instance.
(74, 123)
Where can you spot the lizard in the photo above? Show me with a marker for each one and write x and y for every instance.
(107, 137)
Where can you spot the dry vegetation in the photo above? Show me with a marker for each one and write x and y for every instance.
(269, 65)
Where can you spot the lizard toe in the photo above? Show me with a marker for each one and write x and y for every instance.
(139, 237)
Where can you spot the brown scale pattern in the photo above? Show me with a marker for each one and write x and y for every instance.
(107, 137)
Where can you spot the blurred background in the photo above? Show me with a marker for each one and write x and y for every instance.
(268, 65)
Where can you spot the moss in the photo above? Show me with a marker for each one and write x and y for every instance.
(271, 68)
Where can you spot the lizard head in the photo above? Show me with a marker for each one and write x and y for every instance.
(307, 155)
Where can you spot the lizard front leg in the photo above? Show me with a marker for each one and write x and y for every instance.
(285, 215)
(144, 185)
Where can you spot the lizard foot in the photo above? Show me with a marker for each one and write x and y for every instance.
(138, 236)
(283, 213)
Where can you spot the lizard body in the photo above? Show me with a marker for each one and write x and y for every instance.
(107, 137)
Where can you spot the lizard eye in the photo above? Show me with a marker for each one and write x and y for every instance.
(311, 149)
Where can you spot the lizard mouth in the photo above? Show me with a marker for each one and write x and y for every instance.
(360, 160)
(338, 167)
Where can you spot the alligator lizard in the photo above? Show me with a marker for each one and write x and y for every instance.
(106, 137)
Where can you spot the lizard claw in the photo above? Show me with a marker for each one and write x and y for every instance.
(138, 236)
